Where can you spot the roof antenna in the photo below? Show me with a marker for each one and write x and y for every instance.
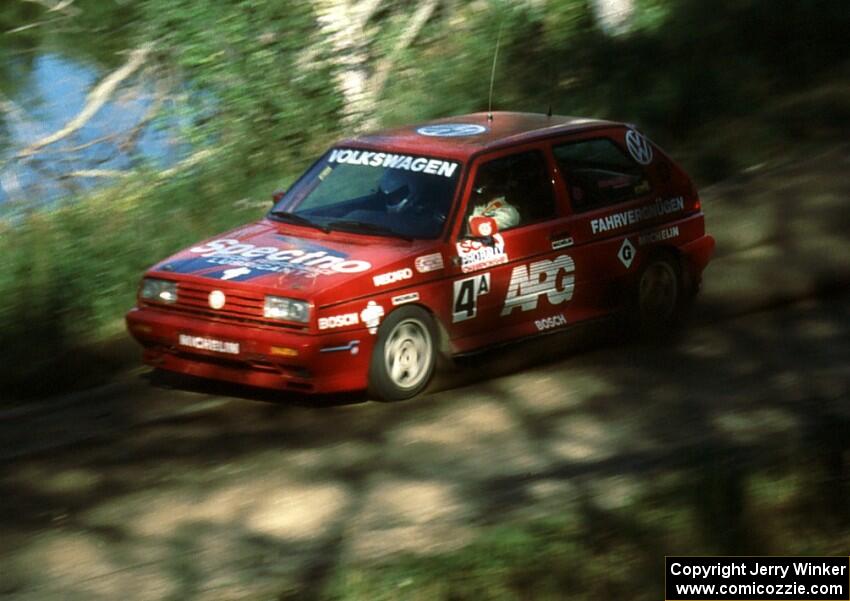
(493, 75)
(551, 87)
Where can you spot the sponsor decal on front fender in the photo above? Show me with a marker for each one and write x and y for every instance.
(426, 263)
(410, 297)
(371, 316)
(337, 321)
(393, 276)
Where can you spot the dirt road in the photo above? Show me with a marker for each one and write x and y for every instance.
(146, 492)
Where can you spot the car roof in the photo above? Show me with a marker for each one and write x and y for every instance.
(505, 128)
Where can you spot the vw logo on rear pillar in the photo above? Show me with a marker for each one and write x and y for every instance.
(217, 299)
(639, 147)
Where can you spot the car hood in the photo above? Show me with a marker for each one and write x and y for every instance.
(291, 260)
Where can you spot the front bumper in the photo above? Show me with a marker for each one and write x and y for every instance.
(268, 357)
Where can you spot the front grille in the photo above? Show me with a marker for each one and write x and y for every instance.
(241, 304)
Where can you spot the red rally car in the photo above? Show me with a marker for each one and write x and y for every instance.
(445, 238)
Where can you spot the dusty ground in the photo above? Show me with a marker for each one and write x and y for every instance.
(205, 492)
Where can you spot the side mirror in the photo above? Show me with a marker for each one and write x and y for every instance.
(482, 227)
(276, 196)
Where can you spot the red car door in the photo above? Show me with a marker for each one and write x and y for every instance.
(504, 284)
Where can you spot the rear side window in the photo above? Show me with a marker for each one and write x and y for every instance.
(599, 174)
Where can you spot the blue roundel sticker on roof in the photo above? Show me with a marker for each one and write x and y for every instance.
(451, 130)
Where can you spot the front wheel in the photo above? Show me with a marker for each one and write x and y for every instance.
(659, 294)
(404, 355)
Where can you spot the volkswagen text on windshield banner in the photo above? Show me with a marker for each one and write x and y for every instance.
(757, 578)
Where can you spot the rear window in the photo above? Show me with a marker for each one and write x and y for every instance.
(598, 173)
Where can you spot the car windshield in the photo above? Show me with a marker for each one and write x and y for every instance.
(373, 192)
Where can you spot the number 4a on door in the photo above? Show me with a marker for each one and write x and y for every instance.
(466, 293)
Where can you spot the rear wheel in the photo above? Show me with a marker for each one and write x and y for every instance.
(659, 294)
(404, 355)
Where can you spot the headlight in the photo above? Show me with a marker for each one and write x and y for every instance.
(163, 291)
(278, 307)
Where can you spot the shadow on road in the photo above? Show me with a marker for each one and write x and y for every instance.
(732, 439)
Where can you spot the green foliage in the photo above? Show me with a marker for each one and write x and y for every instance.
(257, 76)
(70, 274)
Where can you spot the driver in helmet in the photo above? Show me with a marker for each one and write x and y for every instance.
(397, 190)
(492, 213)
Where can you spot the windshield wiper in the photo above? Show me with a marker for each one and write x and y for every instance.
(299, 220)
(366, 227)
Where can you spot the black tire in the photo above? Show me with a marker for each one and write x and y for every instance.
(659, 295)
(404, 356)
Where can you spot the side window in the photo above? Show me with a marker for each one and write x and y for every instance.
(598, 173)
(511, 191)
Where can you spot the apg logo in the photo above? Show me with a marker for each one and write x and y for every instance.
(639, 147)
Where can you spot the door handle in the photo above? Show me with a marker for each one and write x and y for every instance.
(561, 240)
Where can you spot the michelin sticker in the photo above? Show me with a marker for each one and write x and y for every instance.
(393, 161)
(659, 235)
(240, 256)
(528, 282)
(371, 316)
(209, 344)
(475, 255)
(639, 147)
(410, 297)
(625, 218)
(451, 130)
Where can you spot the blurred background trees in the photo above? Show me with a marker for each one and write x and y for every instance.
(274, 82)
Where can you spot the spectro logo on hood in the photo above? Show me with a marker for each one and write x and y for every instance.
(311, 262)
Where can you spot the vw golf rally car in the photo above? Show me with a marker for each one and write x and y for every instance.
(443, 238)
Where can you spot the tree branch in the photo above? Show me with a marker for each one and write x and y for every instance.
(417, 22)
(95, 100)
